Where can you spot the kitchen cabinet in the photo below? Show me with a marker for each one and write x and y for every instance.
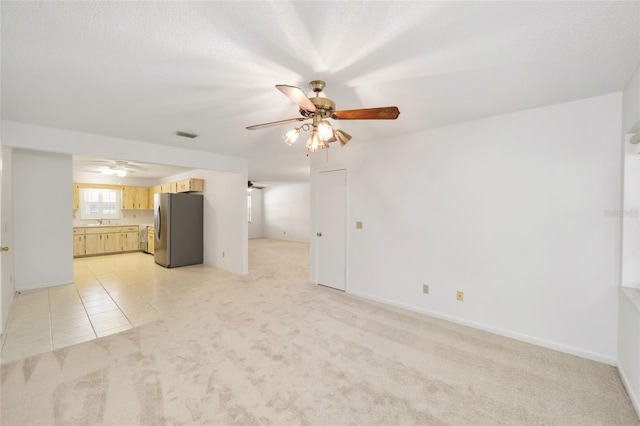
(170, 187)
(76, 196)
(129, 197)
(78, 242)
(152, 192)
(93, 244)
(130, 238)
(142, 198)
(135, 198)
(190, 185)
(151, 239)
(185, 185)
(105, 239)
(112, 242)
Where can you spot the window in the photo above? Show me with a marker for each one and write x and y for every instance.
(249, 208)
(100, 203)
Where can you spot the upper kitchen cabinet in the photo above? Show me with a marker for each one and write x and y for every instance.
(170, 187)
(135, 198)
(142, 198)
(76, 196)
(190, 185)
(129, 197)
(151, 192)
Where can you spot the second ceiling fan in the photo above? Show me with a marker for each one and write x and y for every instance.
(318, 109)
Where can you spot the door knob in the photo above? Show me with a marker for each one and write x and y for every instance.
(4, 248)
(319, 234)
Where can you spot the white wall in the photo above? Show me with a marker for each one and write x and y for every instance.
(286, 212)
(629, 302)
(512, 210)
(43, 239)
(30, 136)
(225, 218)
(631, 104)
(256, 224)
(83, 177)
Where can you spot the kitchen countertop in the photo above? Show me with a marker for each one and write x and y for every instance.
(96, 225)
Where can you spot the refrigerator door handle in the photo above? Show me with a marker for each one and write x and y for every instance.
(158, 223)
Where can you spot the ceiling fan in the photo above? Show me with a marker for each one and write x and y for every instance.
(115, 167)
(251, 186)
(318, 109)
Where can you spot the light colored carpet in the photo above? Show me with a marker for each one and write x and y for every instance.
(270, 349)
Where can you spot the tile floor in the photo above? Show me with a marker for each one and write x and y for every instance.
(110, 294)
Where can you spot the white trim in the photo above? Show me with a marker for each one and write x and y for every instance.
(42, 285)
(316, 173)
(632, 396)
(499, 331)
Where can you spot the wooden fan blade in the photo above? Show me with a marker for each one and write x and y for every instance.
(275, 123)
(383, 113)
(297, 95)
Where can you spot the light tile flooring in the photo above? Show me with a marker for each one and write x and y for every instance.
(110, 294)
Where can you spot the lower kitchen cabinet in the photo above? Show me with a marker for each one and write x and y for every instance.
(130, 239)
(151, 239)
(97, 240)
(93, 244)
(112, 242)
(78, 242)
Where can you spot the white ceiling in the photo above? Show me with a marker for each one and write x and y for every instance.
(134, 169)
(142, 70)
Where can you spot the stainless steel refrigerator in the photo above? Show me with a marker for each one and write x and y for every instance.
(178, 229)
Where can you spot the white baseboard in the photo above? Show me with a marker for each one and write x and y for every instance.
(499, 331)
(42, 285)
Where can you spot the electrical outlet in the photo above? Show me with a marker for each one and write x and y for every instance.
(460, 296)
(425, 288)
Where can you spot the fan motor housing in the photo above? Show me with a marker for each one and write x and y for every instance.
(325, 107)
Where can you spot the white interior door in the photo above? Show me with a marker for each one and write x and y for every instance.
(331, 228)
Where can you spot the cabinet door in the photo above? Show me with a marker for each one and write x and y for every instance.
(142, 198)
(76, 196)
(190, 185)
(78, 245)
(128, 197)
(130, 241)
(150, 240)
(94, 244)
(183, 185)
(152, 192)
(111, 242)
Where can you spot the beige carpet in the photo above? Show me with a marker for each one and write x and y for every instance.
(270, 349)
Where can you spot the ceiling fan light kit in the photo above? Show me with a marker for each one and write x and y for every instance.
(118, 168)
(318, 109)
(111, 172)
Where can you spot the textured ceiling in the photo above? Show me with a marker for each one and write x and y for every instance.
(142, 70)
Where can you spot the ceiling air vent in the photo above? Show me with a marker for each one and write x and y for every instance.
(186, 134)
